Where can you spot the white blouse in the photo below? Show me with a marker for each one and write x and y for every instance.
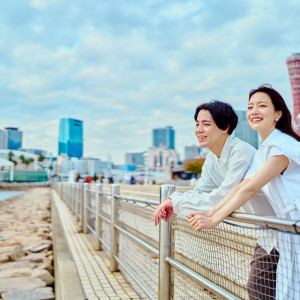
(218, 177)
(283, 193)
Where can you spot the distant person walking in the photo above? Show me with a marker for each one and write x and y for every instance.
(132, 180)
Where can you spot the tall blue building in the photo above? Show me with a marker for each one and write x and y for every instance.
(164, 137)
(243, 130)
(70, 137)
(13, 138)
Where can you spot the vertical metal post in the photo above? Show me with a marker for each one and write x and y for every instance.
(114, 212)
(62, 191)
(73, 197)
(164, 248)
(78, 199)
(81, 205)
(84, 210)
(98, 224)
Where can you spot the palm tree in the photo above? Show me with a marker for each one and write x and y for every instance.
(10, 156)
(41, 158)
(27, 162)
(22, 158)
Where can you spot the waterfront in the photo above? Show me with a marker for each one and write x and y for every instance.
(26, 256)
(9, 194)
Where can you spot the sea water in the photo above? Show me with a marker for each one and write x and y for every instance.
(9, 194)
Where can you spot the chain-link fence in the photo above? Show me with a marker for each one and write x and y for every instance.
(245, 257)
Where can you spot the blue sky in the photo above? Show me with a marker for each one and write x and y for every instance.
(125, 67)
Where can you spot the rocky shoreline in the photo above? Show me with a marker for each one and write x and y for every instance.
(26, 256)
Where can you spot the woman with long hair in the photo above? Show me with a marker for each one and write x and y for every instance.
(276, 171)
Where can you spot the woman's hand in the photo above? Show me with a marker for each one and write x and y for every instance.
(202, 220)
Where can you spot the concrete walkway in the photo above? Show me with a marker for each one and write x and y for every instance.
(97, 282)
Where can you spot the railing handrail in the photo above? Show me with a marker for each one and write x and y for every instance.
(268, 222)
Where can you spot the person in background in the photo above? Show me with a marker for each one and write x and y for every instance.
(276, 171)
(132, 180)
(78, 177)
(193, 180)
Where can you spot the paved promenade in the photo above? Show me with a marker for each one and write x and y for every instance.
(92, 266)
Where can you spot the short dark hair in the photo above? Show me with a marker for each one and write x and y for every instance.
(222, 113)
(285, 122)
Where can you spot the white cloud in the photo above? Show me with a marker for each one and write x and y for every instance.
(125, 68)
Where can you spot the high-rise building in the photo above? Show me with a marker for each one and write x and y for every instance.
(161, 157)
(164, 137)
(243, 130)
(2, 139)
(293, 63)
(70, 137)
(136, 158)
(191, 152)
(13, 138)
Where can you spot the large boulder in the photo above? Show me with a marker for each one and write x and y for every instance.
(38, 294)
(16, 253)
(23, 272)
(35, 257)
(18, 265)
(20, 283)
(4, 258)
(44, 275)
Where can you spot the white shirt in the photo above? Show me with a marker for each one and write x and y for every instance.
(283, 193)
(218, 177)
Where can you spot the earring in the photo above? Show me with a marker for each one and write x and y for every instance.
(276, 119)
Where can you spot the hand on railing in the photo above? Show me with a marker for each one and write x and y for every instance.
(163, 211)
(202, 220)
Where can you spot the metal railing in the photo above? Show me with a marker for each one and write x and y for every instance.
(121, 224)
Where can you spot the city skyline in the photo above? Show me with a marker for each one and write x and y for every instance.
(125, 68)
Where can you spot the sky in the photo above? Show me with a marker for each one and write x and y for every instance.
(126, 67)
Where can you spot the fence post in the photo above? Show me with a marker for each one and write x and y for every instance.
(72, 196)
(84, 210)
(114, 212)
(77, 201)
(164, 248)
(98, 224)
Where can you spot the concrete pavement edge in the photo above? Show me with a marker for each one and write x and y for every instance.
(67, 283)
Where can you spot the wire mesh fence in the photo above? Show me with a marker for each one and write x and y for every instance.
(246, 260)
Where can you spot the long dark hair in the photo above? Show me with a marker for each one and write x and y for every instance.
(222, 113)
(284, 124)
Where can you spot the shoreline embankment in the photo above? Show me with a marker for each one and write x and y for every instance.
(26, 255)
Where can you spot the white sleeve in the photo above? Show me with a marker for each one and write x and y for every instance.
(206, 195)
(276, 151)
(203, 184)
(251, 171)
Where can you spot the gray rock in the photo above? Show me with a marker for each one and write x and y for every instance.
(44, 275)
(16, 253)
(22, 272)
(46, 267)
(20, 283)
(38, 294)
(18, 265)
(40, 248)
(35, 257)
(4, 258)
